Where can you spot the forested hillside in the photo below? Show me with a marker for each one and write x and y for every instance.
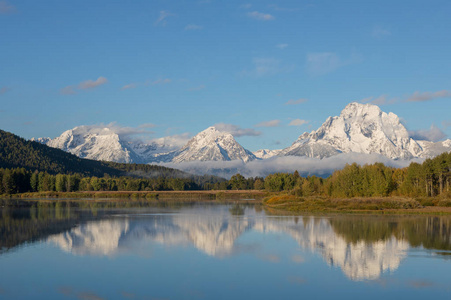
(17, 152)
(22, 161)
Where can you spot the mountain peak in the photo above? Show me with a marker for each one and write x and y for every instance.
(213, 145)
(361, 128)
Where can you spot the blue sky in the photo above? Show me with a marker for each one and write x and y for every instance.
(176, 67)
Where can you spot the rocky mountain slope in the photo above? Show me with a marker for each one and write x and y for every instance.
(211, 145)
(363, 128)
(360, 128)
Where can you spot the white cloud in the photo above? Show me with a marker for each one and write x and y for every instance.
(264, 66)
(327, 62)
(380, 32)
(432, 134)
(246, 6)
(278, 8)
(4, 90)
(260, 16)
(381, 100)
(68, 90)
(90, 84)
(236, 130)
(294, 102)
(160, 81)
(282, 46)
(173, 142)
(193, 27)
(6, 8)
(123, 131)
(197, 88)
(427, 96)
(298, 122)
(304, 165)
(129, 86)
(161, 21)
(272, 123)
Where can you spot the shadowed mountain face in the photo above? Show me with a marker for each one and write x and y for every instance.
(364, 248)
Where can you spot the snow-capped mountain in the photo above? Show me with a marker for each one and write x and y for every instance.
(104, 144)
(266, 153)
(211, 145)
(431, 149)
(360, 128)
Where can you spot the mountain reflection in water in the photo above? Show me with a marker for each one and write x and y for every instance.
(363, 247)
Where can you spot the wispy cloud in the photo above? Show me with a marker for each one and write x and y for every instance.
(90, 84)
(130, 86)
(294, 102)
(279, 8)
(6, 8)
(197, 88)
(142, 130)
(428, 96)
(305, 165)
(326, 62)
(260, 16)
(282, 46)
(432, 134)
(246, 6)
(264, 66)
(380, 32)
(420, 284)
(68, 90)
(160, 81)
(162, 19)
(381, 100)
(298, 259)
(272, 123)
(298, 122)
(236, 130)
(193, 27)
(82, 295)
(446, 124)
(4, 90)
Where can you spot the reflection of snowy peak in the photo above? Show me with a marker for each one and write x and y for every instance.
(212, 145)
(93, 238)
(215, 233)
(361, 128)
(359, 261)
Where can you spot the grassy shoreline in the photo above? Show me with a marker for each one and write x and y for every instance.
(276, 202)
(182, 195)
(381, 205)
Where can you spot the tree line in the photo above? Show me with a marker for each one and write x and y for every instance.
(429, 179)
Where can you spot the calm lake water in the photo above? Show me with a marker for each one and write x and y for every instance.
(215, 251)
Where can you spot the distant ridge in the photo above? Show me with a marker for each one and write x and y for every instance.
(16, 152)
(360, 128)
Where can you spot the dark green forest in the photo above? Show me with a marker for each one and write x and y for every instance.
(27, 166)
(429, 179)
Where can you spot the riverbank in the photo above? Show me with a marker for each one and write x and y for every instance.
(277, 202)
(383, 205)
(181, 195)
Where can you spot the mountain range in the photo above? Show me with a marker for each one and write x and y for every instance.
(360, 128)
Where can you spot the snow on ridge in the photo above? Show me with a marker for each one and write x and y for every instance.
(360, 129)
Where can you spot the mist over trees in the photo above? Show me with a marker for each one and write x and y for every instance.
(429, 179)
